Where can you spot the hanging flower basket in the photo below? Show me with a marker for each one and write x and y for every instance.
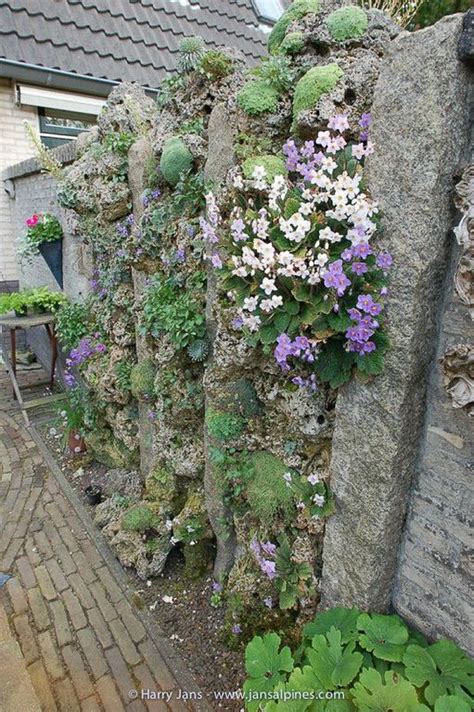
(52, 253)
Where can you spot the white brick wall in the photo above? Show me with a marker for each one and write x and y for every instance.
(14, 147)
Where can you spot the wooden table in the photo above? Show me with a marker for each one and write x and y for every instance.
(12, 324)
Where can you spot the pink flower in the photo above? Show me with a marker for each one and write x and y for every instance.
(31, 222)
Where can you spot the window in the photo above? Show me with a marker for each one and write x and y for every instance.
(58, 127)
(269, 10)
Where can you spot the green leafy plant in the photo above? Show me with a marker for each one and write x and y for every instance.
(175, 310)
(266, 664)
(293, 580)
(38, 300)
(268, 493)
(215, 65)
(371, 660)
(277, 72)
(224, 426)
(123, 372)
(168, 88)
(72, 324)
(119, 142)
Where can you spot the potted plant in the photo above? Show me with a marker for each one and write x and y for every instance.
(44, 235)
(93, 494)
(31, 301)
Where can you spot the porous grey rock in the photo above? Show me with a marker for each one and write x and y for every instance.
(466, 40)
(221, 132)
(121, 481)
(128, 110)
(420, 130)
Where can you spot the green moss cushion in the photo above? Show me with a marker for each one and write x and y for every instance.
(347, 23)
(257, 97)
(297, 10)
(292, 43)
(176, 159)
(315, 83)
(142, 378)
(274, 166)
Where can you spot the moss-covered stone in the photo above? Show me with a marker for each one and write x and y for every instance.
(274, 166)
(311, 87)
(347, 23)
(139, 519)
(176, 159)
(297, 10)
(268, 493)
(293, 43)
(142, 378)
(241, 398)
(161, 491)
(257, 97)
(109, 451)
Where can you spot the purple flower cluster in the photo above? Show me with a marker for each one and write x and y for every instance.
(335, 277)
(309, 383)
(267, 566)
(149, 197)
(84, 350)
(359, 335)
(364, 123)
(304, 161)
(301, 347)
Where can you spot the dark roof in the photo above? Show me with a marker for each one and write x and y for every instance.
(122, 40)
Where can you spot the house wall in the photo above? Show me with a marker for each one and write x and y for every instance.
(14, 147)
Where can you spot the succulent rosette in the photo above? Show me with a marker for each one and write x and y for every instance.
(296, 258)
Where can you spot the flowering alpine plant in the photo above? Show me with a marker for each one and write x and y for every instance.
(297, 259)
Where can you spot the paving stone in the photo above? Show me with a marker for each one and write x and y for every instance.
(59, 580)
(5, 632)
(50, 656)
(143, 674)
(106, 608)
(100, 627)
(17, 692)
(69, 539)
(109, 695)
(131, 622)
(25, 633)
(90, 705)
(87, 572)
(120, 672)
(25, 572)
(81, 590)
(42, 687)
(92, 652)
(114, 592)
(17, 596)
(43, 544)
(160, 670)
(128, 648)
(38, 609)
(45, 583)
(74, 609)
(61, 624)
(67, 700)
(65, 559)
(80, 677)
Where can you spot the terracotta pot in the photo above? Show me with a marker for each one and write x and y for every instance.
(76, 443)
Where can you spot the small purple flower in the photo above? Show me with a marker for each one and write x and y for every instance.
(354, 313)
(216, 261)
(384, 260)
(365, 121)
(383, 292)
(362, 249)
(151, 415)
(236, 629)
(268, 548)
(268, 568)
(313, 479)
(347, 255)
(268, 602)
(367, 304)
(216, 587)
(359, 268)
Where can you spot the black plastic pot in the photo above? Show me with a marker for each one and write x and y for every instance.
(93, 494)
(52, 253)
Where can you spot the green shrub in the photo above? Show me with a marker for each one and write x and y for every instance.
(268, 493)
(71, 324)
(224, 426)
(139, 519)
(257, 97)
(176, 159)
(274, 166)
(374, 660)
(142, 377)
(39, 300)
(293, 43)
(311, 87)
(297, 10)
(215, 65)
(347, 23)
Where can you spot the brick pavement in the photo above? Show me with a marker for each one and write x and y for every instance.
(83, 642)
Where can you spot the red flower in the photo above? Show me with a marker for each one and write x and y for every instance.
(31, 222)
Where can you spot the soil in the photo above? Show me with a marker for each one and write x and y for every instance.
(192, 625)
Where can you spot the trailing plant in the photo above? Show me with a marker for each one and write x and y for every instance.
(296, 261)
(367, 662)
(176, 310)
(72, 324)
(41, 228)
(46, 158)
